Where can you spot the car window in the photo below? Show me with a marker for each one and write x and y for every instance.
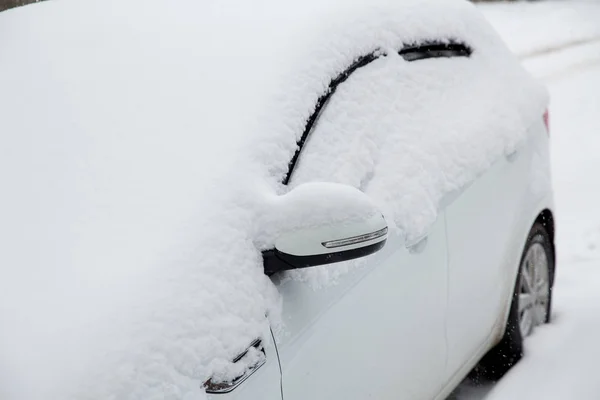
(434, 50)
(321, 104)
(342, 143)
(410, 53)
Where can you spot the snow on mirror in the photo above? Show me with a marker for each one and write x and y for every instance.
(323, 223)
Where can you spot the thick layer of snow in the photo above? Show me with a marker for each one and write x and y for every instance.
(141, 143)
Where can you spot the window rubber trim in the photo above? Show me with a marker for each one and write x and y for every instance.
(432, 49)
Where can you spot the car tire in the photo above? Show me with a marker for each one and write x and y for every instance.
(509, 350)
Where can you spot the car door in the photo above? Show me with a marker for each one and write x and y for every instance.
(483, 242)
(374, 328)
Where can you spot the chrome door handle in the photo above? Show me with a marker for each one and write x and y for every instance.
(215, 387)
(511, 157)
(417, 246)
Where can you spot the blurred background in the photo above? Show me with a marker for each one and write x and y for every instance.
(6, 4)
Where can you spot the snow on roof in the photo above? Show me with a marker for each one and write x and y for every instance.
(141, 140)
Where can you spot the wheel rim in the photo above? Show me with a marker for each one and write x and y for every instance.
(534, 291)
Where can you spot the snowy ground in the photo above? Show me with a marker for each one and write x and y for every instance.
(563, 49)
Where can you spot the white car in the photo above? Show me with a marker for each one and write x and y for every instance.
(371, 176)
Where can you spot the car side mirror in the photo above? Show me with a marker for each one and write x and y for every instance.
(323, 223)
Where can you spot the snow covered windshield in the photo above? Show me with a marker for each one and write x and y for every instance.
(141, 142)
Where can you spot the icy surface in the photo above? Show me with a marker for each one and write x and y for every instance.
(141, 144)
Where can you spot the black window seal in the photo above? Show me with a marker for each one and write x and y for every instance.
(435, 49)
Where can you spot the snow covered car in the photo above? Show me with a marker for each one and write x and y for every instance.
(275, 200)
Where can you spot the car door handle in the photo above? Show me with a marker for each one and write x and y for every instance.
(417, 246)
(217, 387)
(511, 157)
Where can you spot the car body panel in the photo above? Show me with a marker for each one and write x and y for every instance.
(527, 191)
(377, 333)
(481, 223)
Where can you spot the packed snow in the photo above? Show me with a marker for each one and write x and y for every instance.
(142, 144)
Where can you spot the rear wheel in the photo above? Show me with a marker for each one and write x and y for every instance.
(531, 305)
